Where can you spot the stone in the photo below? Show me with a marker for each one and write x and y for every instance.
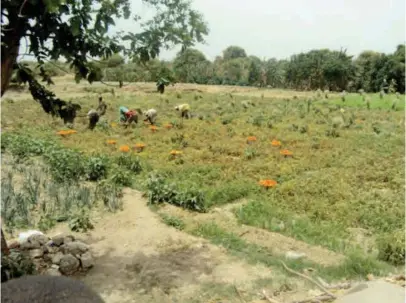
(38, 238)
(68, 239)
(292, 255)
(33, 242)
(86, 260)
(56, 259)
(68, 264)
(75, 248)
(26, 245)
(58, 239)
(36, 253)
(53, 272)
(370, 277)
(374, 292)
(50, 247)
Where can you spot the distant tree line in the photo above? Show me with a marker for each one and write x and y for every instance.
(317, 69)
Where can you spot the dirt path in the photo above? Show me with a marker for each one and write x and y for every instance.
(140, 259)
(135, 253)
(277, 243)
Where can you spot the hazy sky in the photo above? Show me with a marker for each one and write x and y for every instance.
(269, 28)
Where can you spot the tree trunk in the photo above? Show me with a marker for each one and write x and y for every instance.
(9, 57)
(13, 33)
(4, 247)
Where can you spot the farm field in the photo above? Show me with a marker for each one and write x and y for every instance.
(338, 197)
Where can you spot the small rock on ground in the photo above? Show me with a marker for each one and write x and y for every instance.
(56, 259)
(292, 255)
(86, 260)
(68, 264)
(36, 253)
(75, 248)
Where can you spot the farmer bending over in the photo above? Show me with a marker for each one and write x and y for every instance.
(184, 110)
(127, 116)
(150, 115)
(94, 115)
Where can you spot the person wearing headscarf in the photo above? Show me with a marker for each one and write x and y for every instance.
(184, 110)
(150, 115)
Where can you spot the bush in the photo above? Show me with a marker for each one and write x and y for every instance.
(65, 165)
(15, 265)
(159, 191)
(96, 168)
(121, 177)
(22, 146)
(81, 222)
(391, 248)
(129, 162)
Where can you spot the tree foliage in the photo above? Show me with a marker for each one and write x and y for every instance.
(234, 52)
(316, 69)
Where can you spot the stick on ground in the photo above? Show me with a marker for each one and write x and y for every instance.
(309, 279)
(269, 299)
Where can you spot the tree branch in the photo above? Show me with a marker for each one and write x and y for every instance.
(21, 9)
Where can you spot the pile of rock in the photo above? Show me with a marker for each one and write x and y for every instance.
(59, 255)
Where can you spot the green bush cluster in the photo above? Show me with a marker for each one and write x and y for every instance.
(160, 191)
(391, 247)
(66, 198)
(69, 165)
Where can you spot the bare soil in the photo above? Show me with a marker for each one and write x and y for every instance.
(140, 259)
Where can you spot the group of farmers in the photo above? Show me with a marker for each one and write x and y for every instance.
(127, 116)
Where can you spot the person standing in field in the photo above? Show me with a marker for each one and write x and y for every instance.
(101, 109)
(184, 110)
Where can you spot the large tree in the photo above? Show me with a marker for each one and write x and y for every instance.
(186, 62)
(234, 52)
(80, 30)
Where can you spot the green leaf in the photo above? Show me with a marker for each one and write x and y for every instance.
(75, 26)
(52, 6)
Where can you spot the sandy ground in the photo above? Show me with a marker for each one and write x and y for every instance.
(138, 258)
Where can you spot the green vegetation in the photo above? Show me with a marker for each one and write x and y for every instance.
(316, 69)
(340, 151)
(356, 265)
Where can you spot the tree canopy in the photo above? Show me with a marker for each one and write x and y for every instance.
(334, 70)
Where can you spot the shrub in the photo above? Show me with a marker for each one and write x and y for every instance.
(96, 168)
(159, 191)
(81, 221)
(130, 162)
(391, 247)
(16, 265)
(65, 165)
(23, 146)
(121, 177)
